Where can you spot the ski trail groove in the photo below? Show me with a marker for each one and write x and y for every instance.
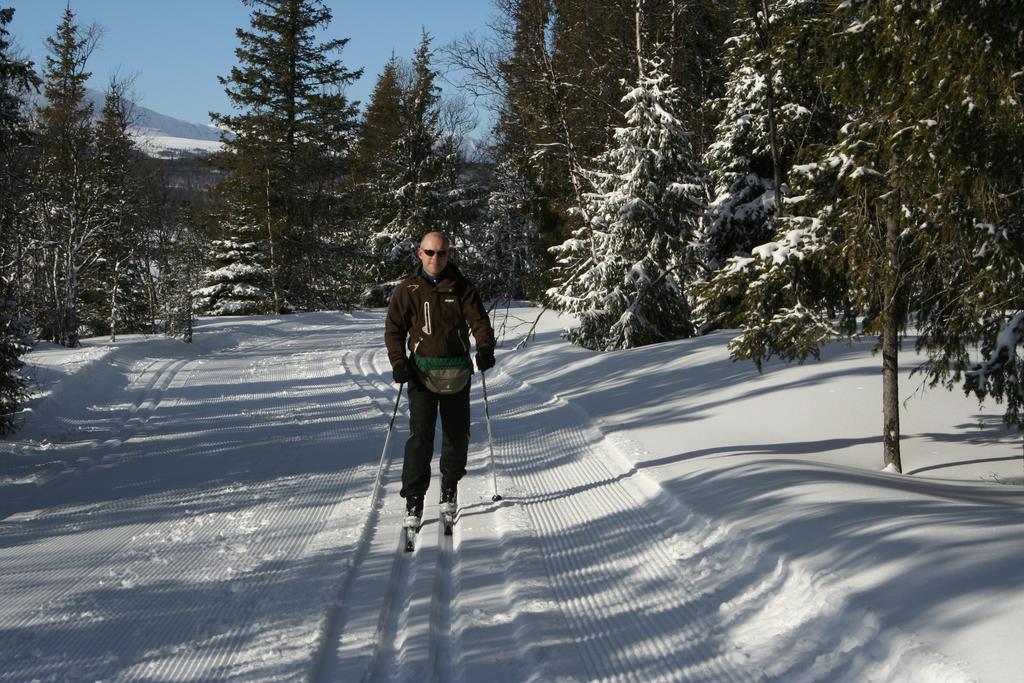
(236, 536)
(603, 550)
(233, 519)
(252, 530)
(394, 649)
(226, 650)
(649, 590)
(444, 594)
(406, 644)
(154, 376)
(330, 651)
(393, 619)
(70, 576)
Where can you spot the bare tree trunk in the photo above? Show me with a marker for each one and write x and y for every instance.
(70, 303)
(149, 283)
(56, 324)
(890, 350)
(189, 320)
(639, 43)
(672, 34)
(890, 394)
(576, 174)
(151, 300)
(113, 301)
(270, 241)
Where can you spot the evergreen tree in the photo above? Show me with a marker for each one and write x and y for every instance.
(381, 125)
(13, 345)
(767, 90)
(237, 283)
(976, 300)
(525, 134)
(118, 274)
(883, 219)
(559, 69)
(625, 273)
(417, 180)
(552, 118)
(17, 80)
(772, 110)
(690, 35)
(593, 52)
(159, 203)
(370, 181)
(994, 321)
(182, 275)
(66, 206)
(286, 156)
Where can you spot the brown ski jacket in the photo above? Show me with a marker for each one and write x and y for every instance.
(435, 319)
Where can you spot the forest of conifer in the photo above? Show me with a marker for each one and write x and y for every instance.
(802, 171)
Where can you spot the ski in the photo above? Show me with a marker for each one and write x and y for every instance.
(409, 532)
(447, 511)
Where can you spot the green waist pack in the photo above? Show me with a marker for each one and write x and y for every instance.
(444, 375)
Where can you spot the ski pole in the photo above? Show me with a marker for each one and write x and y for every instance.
(387, 440)
(490, 439)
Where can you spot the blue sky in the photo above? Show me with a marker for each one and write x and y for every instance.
(177, 48)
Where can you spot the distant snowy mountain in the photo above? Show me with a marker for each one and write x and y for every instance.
(159, 124)
(160, 135)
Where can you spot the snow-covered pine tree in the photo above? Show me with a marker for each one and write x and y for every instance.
(17, 80)
(13, 390)
(238, 282)
(976, 303)
(882, 225)
(771, 108)
(624, 274)
(423, 172)
(997, 329)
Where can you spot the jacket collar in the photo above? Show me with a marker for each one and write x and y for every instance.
(450, 272)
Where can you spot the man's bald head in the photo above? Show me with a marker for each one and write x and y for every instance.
(433, 253)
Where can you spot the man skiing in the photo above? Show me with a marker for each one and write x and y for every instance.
(432, 313)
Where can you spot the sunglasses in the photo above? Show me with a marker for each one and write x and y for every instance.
(431, 252)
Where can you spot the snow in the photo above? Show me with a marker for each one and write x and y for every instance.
(1010, 336)
(781, 252)
(210, 512)
(864, 171)
(156, 145)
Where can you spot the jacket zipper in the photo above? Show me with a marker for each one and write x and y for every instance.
(428, 328)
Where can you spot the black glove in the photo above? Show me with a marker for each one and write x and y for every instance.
(485, 359)
(400, 373)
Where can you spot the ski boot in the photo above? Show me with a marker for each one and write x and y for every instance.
(413, 521)
(448, 507)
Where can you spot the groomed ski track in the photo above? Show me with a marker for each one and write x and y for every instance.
(221, 518)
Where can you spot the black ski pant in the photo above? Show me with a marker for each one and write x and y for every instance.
(424, 406)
